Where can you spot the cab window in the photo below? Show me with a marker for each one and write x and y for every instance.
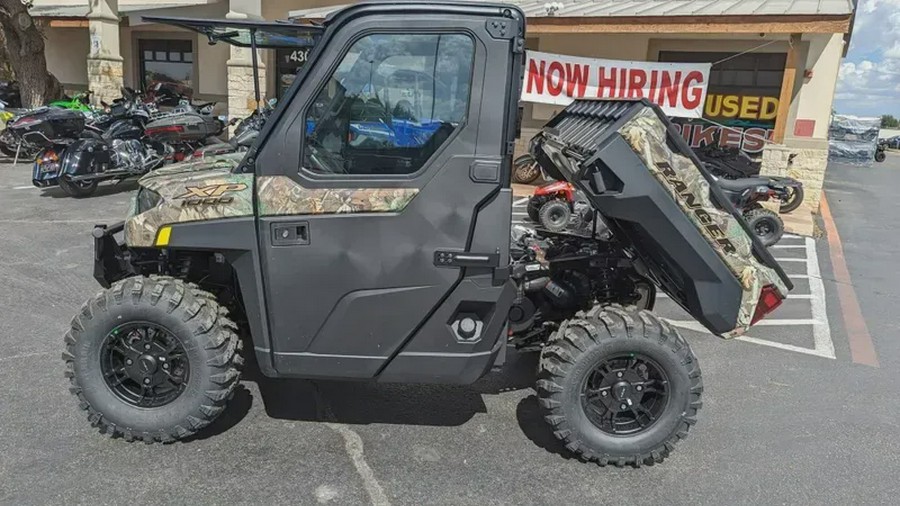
(390, 104)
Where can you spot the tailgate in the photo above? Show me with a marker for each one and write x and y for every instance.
(665, 208)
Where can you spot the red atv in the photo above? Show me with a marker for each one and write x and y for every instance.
(552, 205)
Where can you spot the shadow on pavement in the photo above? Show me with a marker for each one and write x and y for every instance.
(235, 411)
(102, 190)
(531, 421)
(361, 403)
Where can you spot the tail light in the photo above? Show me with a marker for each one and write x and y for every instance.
(769, 300)
(169, 129)
(49, 156)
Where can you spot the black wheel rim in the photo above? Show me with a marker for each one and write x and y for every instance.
(528, 171)
(557, 217)
(625, 394)
(764, 229)
(144, 364)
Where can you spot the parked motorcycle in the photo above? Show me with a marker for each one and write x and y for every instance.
(77, 159)
(525, 170)
(246, 131)
(727, 163)
(9, 94)
(881, 151)
(18, 147)
(186, 129)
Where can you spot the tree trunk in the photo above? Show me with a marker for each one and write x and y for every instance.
(24, 44)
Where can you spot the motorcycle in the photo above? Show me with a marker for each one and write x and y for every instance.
(186, 129)
(18, 147)
(246, 131)
(525, 170)
(727, 163)
(77, 161)
(881, 151)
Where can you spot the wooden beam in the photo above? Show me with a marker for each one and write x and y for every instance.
(691, 24)
(69, 23)
(787, 89)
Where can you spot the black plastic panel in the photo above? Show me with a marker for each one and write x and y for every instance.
(583, 144)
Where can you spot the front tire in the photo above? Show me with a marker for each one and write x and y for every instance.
(880, 156)
(650, 376)
(79, 189)
(152, 359)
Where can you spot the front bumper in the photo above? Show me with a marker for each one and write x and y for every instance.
(111, 259)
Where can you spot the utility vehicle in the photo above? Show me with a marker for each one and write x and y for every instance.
(392, 263)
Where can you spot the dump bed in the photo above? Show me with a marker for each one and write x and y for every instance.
(665, 208)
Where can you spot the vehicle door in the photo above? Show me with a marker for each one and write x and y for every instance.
(384, 210)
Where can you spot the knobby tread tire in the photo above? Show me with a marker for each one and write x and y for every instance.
(548, 208)
(762, 213)
(213, 331)
(579, 336)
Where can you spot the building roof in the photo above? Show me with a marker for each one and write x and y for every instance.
(654, 8)
(81, 11)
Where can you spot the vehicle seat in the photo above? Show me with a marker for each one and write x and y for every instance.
(739, 185)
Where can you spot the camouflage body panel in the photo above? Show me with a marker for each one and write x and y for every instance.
(190, 191)
(646, 134)
(281, 195)
(207, 189)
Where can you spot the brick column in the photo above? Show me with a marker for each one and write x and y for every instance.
(104, 62)
(240, 64)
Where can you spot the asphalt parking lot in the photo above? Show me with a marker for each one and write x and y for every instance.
(793, 414)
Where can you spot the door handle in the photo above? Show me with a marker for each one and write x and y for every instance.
(290, 234)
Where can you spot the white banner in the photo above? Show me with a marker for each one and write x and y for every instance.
(679, 88)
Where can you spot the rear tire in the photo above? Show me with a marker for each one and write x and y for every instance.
(794, 200)
(766, 224)
(525, 170)
(880, 156)
(77, 189)
(620, 342)
(195, 326)
(555, 215)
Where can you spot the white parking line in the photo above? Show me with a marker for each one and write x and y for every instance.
(521, 201)
(769, 322)
(790, 259)
(29, 187)
(823, 345)
(821, 331)
(788, 246)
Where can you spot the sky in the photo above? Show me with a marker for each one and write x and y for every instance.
(869, 78)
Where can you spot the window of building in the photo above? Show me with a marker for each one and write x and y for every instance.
(757, 74)
(393, 101)
(167, 61)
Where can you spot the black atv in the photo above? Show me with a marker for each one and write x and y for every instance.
(391, 261)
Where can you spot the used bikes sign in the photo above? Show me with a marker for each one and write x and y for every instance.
(678, 88)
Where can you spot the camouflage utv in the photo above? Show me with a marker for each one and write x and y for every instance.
(326, 257)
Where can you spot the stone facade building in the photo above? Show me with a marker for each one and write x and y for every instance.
(775, 64)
